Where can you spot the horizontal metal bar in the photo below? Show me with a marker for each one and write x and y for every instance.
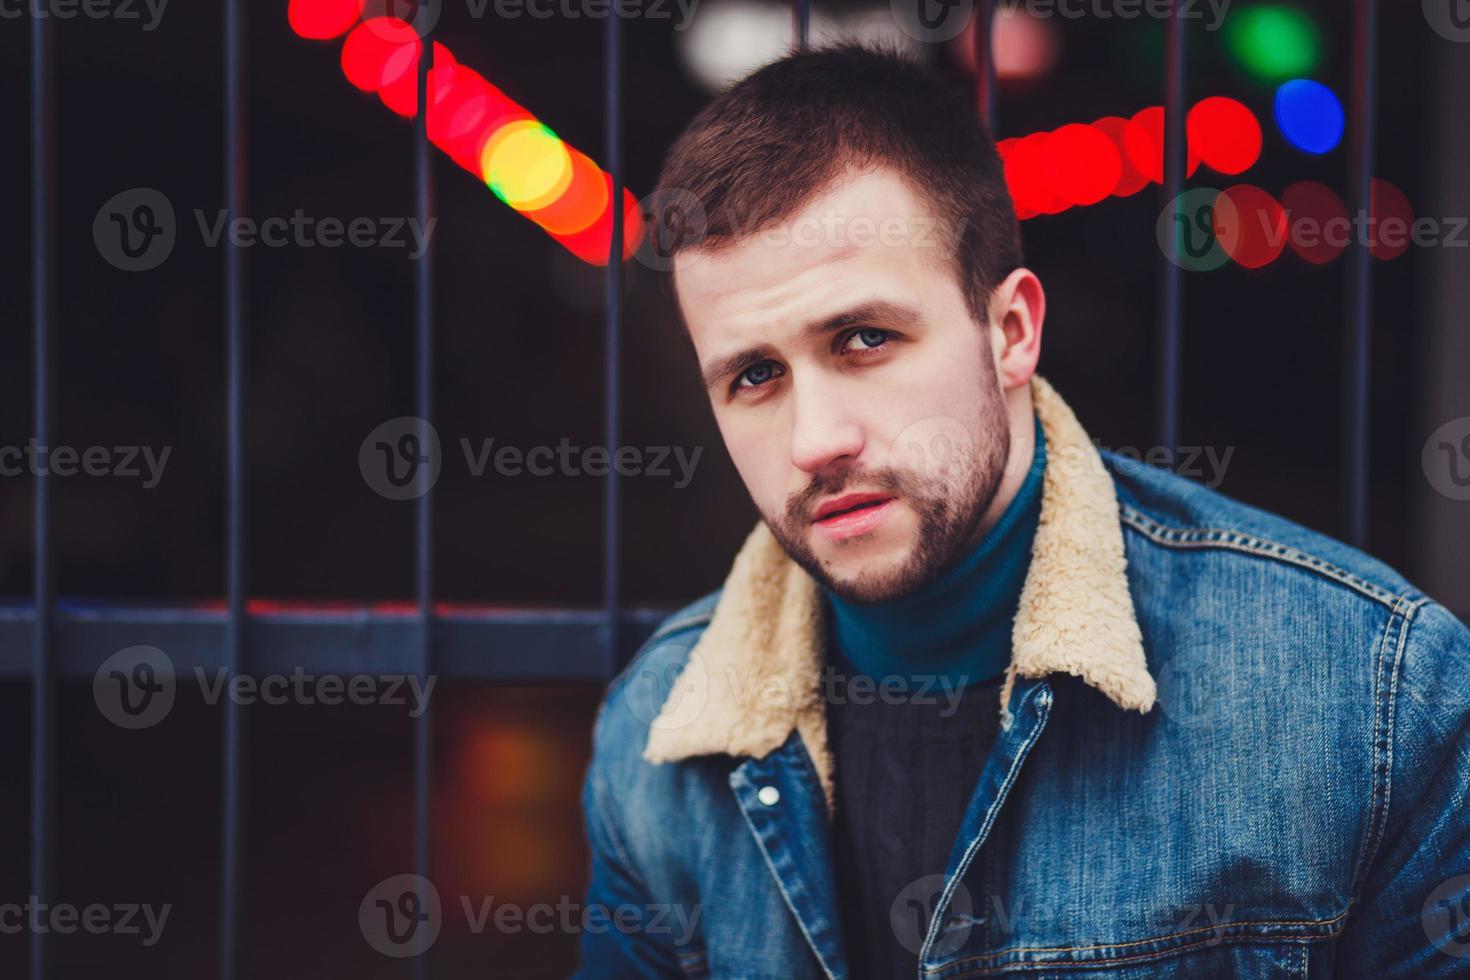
(491, 644)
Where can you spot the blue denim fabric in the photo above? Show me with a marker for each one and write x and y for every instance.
(1296, 805)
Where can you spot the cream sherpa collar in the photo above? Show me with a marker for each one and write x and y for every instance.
(755, 674)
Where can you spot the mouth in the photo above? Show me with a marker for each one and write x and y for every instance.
(849, 503)
(852, 514)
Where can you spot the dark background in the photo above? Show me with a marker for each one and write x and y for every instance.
(520, 355)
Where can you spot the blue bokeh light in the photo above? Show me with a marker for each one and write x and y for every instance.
(1310, 115)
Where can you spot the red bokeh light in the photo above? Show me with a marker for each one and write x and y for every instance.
(400, 89)
(1391, 220)
(1130, 181)
(322, 20)
(1318, 221)
(1224, 135)
(370, 46)
(1143, 142)
(1249, 225)
(1026, 176)
(1081, 164)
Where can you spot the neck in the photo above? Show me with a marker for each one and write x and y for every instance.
(958, 626)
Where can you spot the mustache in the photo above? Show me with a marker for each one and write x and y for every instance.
(800, 505)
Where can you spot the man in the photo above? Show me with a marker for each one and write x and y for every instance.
(976, 697)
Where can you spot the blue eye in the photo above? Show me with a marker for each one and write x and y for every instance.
(870, 338)
(756, 375)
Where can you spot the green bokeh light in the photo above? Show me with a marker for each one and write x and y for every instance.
(1274, 42)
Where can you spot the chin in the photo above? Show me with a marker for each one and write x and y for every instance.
(866, 571)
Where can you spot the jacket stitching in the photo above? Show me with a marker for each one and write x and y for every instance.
(1156, 955)
(780, 883)
(1206, 537)
(1143, 942)
(1022, 752)
(1383, 781)
(1377, 735)
(613, 837)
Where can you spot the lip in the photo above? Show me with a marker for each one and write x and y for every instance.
(836, 521)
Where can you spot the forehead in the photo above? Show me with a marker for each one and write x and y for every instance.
(865, 236)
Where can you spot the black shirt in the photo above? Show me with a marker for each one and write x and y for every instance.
(904, 771)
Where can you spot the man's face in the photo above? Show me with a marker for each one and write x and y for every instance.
(854, 390)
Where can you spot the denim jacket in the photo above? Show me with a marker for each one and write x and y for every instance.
(1229, 747)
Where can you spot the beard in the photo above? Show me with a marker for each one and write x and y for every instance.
(949, 503)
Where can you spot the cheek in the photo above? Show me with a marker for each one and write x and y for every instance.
(936, 414)
(758, 454)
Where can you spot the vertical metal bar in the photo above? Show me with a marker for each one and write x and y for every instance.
(1359, 299)
(232, 803)
(612, 543)
(424, 537)
(801, 23)
(1169, 354)
(984, 63)
(43, 311)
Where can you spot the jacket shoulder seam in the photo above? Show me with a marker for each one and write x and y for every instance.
(1228, 539)
(1385, 711)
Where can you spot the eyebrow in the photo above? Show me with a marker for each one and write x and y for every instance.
(873, 313)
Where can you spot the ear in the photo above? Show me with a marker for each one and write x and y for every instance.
(1017, 310)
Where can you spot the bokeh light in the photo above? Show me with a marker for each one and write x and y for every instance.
(1143, 141)
(1081, 164)
(1224, 134)
(1130, 181)
(526, 165)
(1318, 221)
(1249, 225)
(1273, 41)
(370, 46)
(322, 20)
(1391, 220)
(1309, 115)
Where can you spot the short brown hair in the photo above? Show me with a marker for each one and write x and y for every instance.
(757, 152)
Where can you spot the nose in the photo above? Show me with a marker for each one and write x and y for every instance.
(825, 433)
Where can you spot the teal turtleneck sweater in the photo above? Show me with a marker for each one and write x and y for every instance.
(959, 626)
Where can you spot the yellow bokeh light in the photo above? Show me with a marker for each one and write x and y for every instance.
(526, 165)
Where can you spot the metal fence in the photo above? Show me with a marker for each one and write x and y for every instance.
(54, 640)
